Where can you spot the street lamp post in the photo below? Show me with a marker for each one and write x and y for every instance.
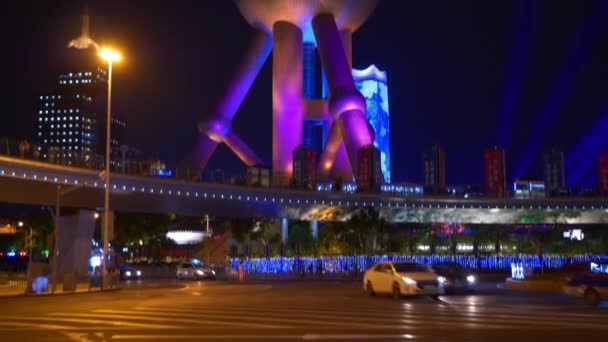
(110, 56)
(29, 242)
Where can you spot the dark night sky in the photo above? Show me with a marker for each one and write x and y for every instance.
(465, 74)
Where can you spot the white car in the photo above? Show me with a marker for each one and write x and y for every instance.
(402, 279)
(196, 272)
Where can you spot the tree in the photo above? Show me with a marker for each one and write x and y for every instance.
(151, 229)
(367, 229)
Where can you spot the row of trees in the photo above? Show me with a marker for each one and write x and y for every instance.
(367, 233)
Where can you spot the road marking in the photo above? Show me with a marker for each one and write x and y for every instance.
(305, 337)
(350, 337)
(162, 316)
(414, 319)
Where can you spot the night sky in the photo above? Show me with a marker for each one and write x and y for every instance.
(525, 74)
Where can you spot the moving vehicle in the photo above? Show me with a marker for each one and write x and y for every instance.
(402, 278)
(188, 270)
(591, 285)
(129, 273)
(457, 278)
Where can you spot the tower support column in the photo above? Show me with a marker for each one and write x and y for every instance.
(287, 99)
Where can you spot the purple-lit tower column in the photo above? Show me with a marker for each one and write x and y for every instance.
(287, 99)
(217, 128)
(346, 104)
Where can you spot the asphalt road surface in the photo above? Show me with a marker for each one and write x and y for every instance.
(297, 311)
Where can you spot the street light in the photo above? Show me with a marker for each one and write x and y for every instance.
(109, 56)
(29, 252)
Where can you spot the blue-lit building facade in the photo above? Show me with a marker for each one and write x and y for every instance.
(372, 84)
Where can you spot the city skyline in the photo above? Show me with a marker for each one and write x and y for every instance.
(462, 101)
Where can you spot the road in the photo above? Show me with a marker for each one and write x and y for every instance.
(296, 311)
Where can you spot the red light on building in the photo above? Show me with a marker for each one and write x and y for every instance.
(304, 167)
(369, 169)
(495, 172)
(602, 176)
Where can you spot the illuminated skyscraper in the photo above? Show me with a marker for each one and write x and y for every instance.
(495, 172)
(602, 177)
(555, 177)
(71, 120)
(371, 83)
(369, 171)
(433, 159)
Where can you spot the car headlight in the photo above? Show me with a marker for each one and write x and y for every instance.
(441, 280)
(470, 279)
(128, 273)
(213, 272)
(199, 272)
(138, 273)
(409, 280)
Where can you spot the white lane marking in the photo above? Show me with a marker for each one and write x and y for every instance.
(305, 337)
(524, 317)
(407, 318)
(82, 318)
(164, 316)
(350, 337)
(30, 325)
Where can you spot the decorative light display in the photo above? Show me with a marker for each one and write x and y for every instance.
(360, 263)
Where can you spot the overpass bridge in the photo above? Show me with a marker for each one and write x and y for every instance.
(33, 182)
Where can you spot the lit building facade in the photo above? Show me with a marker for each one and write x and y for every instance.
(602, 176)
(71, 119)
(554, 170)
(304, 167)
(369, 170)
(433, 160)
(495, 172)
(528, 188)
(372, 84)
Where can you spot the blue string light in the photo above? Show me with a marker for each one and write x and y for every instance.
(360, 263)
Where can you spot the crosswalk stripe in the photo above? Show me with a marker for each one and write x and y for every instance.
(117, 314)
(535, 317)
(412, 320)
(83, 321)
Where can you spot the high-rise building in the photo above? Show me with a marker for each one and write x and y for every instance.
(433, 159)
(314, 135)
(304, 167)
(495, 172)
(371, 83)
(602, 176)
(369, 170)
(555, 178)
(314, 82)
(71, 119)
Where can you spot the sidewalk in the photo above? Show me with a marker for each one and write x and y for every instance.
(18, 288)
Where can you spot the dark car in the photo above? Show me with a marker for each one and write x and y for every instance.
(592, 285)
(129, 273)
(456, 276)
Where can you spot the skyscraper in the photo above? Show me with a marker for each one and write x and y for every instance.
(495, 172)
(433, 159)
(314, 82)
(555, 178)
(71, 118)
(371, 83)
(602, 177)
(369, 171)
(304, 167)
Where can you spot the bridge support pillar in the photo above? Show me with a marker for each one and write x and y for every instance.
(284, 230)
(73, 243)
(314, 230)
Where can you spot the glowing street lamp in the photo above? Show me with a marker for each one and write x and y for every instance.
(109, 56)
